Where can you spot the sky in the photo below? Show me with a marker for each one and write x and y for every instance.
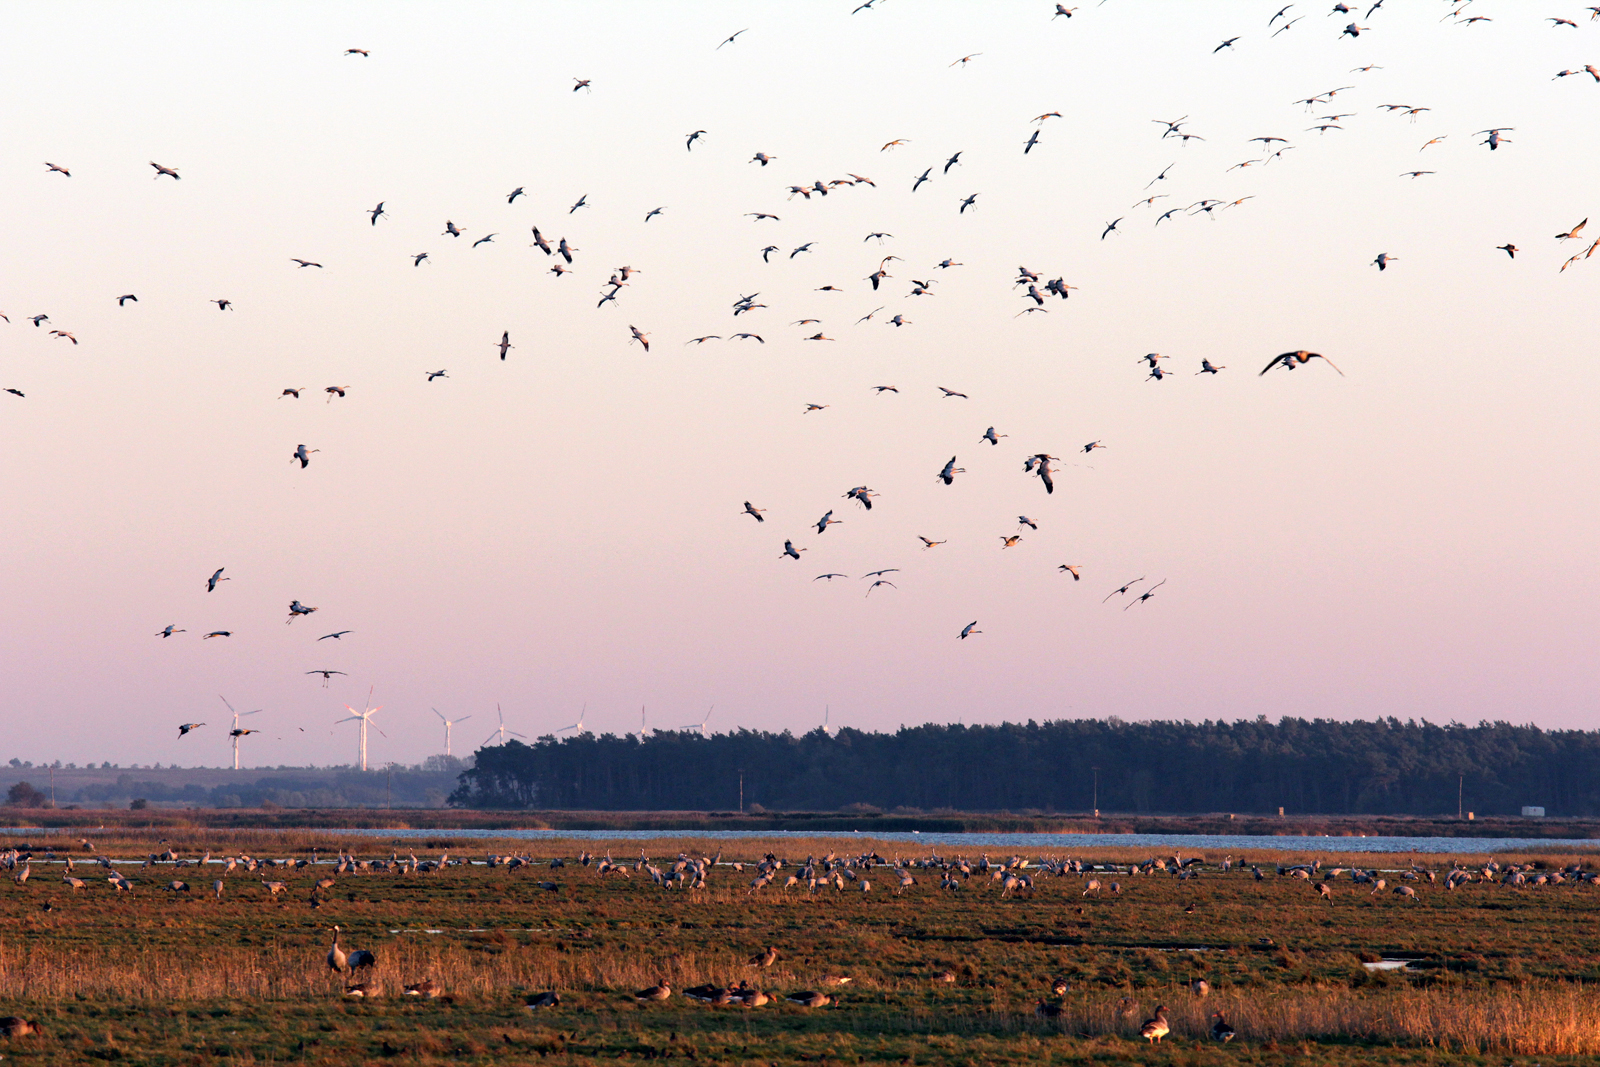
(561, 534)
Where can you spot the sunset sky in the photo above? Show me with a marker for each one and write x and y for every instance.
(563, 529)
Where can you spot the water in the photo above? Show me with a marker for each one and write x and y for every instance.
(971, 842)
(967, 843)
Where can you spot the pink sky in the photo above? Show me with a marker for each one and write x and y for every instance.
(564, 528)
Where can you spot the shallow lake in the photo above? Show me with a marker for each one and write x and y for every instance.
(1065, 842)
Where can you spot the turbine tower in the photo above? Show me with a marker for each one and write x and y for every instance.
(501, 730)
(236, 732)
(363, 717)
(447, 724)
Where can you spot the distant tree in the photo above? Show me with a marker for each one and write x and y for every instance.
(138, 805)
(24, 795)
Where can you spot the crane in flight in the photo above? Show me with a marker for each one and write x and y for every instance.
(237, 731)
(325, 676)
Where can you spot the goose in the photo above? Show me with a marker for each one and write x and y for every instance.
(16, 1026)
(809, 999)
(654, 993)
(362, 959)
(548, 999)
(425, 988)
(1046, 1010)
(1156, 1028)
(1200, 987)
(766, 958)
(1220, 1030)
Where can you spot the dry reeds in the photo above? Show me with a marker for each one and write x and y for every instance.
(1536, 1019)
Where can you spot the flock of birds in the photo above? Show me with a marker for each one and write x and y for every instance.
(855, 873)
(1037, 292)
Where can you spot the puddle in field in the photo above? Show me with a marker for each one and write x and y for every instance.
(468, 930)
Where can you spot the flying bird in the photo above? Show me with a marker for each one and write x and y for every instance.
(172, 172)
(512, 196)
(1122, 589)
(211, 582)
(927, 544)
(302, 455)
(432, 374)
(335, 636)
(505, 344)
(1508, 249)
(377, 212)
(642, 338)
(693, 137)
(1291, 360)
(951, 392)
(969, 629)
(122, 301)
(295, 609)
(753, 511)
(356, 52)
(730, 40)
(790, 551)
(170, 630)
(305, 263)
(217, 633)
(325, 676)
(484, 239)
(948, 474)
(185, 727)
(1109, 227)
(1146, 595)
(1383, 261)
(1071, 569)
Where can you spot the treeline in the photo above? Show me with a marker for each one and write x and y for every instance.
(419, 786)
(1387, 767)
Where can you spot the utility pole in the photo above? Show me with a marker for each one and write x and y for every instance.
(388, 787)
(1461, 784)
(52, 785)
(1097, 792)
(741, 790)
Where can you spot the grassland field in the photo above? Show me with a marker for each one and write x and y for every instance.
(1496, 974)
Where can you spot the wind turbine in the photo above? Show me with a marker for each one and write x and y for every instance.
(363, 717)
(577, 727)
(447, 724)
(237, 733)
(502, 731)
(827, 713)
(701, 725)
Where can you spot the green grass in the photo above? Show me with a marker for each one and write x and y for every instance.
(1500, 974)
